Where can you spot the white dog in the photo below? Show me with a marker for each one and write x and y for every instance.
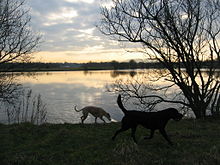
(95, 111)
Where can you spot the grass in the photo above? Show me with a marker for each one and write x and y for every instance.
(197, 142)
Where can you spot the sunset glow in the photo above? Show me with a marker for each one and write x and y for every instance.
(88, 54)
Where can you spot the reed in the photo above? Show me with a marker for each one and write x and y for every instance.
(29, 108)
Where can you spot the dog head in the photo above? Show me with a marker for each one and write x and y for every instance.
(108, 116)
(174, 114)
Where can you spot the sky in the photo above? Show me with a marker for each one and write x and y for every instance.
(70, 34)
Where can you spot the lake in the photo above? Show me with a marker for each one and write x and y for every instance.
(62, 90)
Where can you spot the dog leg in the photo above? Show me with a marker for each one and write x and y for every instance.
(151, 134)
(95, 119)
(133, 130)
(102, 119)
(163, 132)
(84, 116)
(117, 132)
(82, 119)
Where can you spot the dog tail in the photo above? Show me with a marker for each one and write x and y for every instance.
(76, 109)
(120, 104)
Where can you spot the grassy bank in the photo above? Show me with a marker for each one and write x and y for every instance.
(196, 142)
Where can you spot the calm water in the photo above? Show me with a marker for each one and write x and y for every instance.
(62, 90)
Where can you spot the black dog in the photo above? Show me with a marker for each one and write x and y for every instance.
(150, 120)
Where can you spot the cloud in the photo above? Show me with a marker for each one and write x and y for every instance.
(86, 1)
(64, 15)
(69, 25)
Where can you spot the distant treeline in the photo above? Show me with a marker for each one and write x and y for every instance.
(114, 65)
(38, 66)
(132, 64)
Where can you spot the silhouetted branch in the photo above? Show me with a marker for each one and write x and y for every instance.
(181, 35)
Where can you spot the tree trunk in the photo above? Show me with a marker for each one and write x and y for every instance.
(199, 109)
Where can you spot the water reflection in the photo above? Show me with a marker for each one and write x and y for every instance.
(115, 73)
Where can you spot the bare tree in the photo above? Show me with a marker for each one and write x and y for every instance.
(17, 40)
(9, 90)
(180, 34)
